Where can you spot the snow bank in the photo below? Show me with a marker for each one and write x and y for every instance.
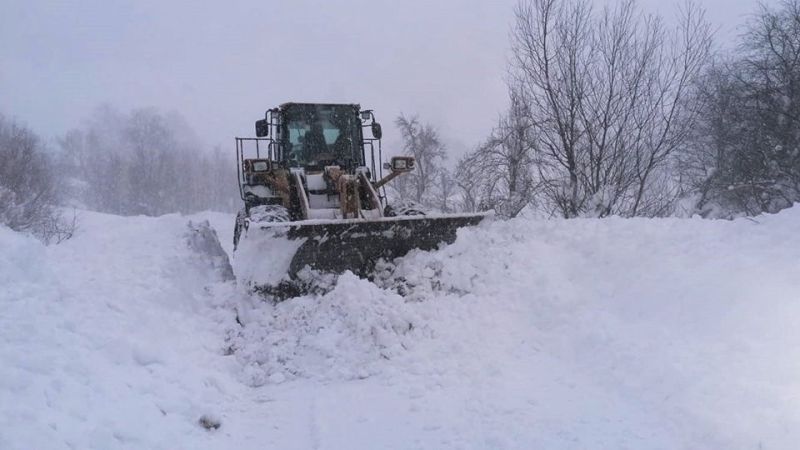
(645, 334)
(693, 320)
(105, 337)
(29, 300)
(568, 334)
(24, 270)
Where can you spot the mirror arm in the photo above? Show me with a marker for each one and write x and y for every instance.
(392, 175)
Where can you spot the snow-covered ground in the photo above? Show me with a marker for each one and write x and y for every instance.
(609, 334)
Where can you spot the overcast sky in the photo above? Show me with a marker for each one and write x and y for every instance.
(221, 64)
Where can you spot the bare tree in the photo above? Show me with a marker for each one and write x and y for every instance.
(609, 101)
(468, 182)
(445, 191)
(669, 116)
(745, 155)
(422, 142)
(499, 173)
(551, 44)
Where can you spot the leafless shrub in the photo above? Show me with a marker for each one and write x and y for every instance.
(29, 186)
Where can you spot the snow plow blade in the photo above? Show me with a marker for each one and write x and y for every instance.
(272, 252)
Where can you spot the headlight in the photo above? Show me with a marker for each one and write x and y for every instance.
(402, 164)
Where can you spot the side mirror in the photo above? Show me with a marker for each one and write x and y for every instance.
(377, 133)
(401, 164)
(262, 128)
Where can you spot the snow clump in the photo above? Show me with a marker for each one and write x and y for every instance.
(343, 334)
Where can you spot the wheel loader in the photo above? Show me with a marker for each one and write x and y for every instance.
(314, 197)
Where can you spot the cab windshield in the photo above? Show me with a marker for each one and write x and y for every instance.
(321, 134)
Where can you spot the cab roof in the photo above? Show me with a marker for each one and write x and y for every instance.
(283, 106)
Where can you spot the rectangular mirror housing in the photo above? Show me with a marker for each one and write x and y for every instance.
(262, 128)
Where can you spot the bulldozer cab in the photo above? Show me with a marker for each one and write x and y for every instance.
(310, 138)
(315, 135)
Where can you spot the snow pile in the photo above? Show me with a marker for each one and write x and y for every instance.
(343, 334)
(584, 333)
(203, 241)
(689, 325)
(645, 334)
(107, 340)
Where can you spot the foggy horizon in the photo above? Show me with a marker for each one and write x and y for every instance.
(222, 67)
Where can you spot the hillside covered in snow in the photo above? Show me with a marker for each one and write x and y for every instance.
(601, 334)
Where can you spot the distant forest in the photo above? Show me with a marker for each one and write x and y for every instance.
(611, 112)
